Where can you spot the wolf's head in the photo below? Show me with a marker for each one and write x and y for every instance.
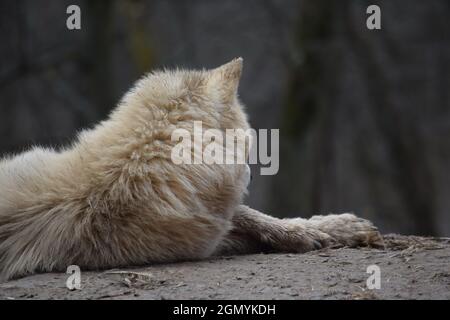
(165, 101)
(210, 96)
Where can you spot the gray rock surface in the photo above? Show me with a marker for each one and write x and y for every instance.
(411, 268)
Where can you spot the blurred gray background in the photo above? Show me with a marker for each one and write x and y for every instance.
(364, 116)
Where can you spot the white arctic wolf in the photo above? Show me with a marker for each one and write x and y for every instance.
(115, 197)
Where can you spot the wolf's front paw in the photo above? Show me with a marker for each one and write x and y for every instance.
(349, 230)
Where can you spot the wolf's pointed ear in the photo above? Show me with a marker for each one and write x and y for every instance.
(224, 80)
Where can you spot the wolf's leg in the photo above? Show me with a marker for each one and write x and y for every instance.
(254, 231)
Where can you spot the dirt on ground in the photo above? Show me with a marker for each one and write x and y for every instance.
(410, 268)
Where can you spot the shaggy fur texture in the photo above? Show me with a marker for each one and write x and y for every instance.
(115, 198)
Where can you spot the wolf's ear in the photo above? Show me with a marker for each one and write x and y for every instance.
(224, 80)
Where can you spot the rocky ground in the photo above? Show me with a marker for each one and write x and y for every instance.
(411, 268)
